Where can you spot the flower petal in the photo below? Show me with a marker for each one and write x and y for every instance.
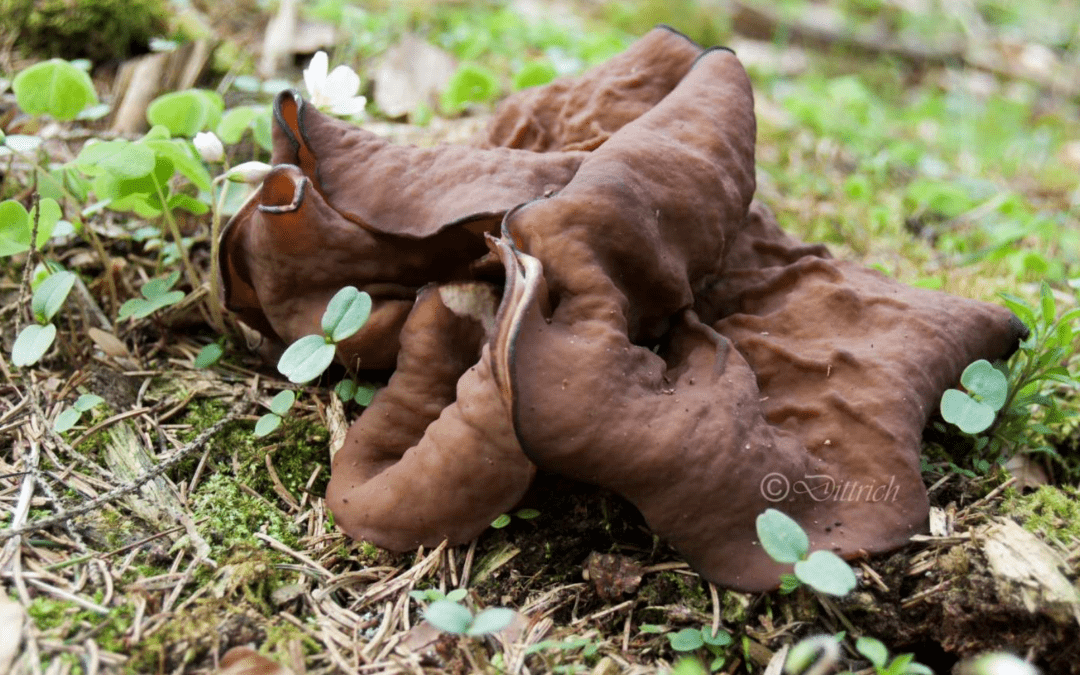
(342, 83)
(350, 106)
(315, 74)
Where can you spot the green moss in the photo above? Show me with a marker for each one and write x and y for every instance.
(63, 619)
(99, 30)
(1051, 511)
(234, 516)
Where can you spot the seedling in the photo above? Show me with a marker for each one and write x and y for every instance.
(308, 357)
(786, 542)
(504, 519)
(450, 617)
(156, 295)
(279, 407)
(209, 355)
(434, 594)
(69, 417)
(878, 655)
(361, 394)
(34, 340)
(694, 639)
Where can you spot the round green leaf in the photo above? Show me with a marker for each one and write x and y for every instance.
(51, 294)
(456, 595)
(14, 228)
(283, 401)
(120, 158)
(346, 313)
(32, 343)
(502, 521)
(87, 402)
(159, 286)
(827, 573)
(873, 650)
(67, 418)
(721, 639)
(237, 120)
(306, 359)
(526, 514)
(686, 640)
(471, 83)
(209, 355)
(365, 393)
(186, 113)
(969, 415)
(267, 424)
(491, 620)
(54, 87)
(788, 583)
(345, 390)
(781, 537)
(533, 74)
(988, 382)
(448, 616)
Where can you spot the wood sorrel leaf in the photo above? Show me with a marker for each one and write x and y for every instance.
(781, 537)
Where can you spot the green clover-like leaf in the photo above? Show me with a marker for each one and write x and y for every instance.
(209, 355)
(283, 401)
(67, 419)
(32, 343)
(87, 402)
(491, 620)
(989, 383)
(826, 572)
(267, 424)
(449, 616)
(686, 640)
(54, 87)
(781, 537)
(346, 313)
(306, 359)
(873, 650)
(185, 113)
(51, 294)
(969, 415)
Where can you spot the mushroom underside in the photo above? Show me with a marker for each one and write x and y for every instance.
(593, 292)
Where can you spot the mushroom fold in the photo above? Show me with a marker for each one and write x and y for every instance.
(591, 290)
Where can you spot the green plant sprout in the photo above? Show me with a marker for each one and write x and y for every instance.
(786, 543)
(361, 394)
(69, 417)
(308, 357)
(209, 355)
(451, 617)
(279, 407)
(16, 224)
(694, 639)
(878, 655)
(34, 340)
(999, 405)
(504, 518)
(54, 87)
(434, 594)
(156, 295)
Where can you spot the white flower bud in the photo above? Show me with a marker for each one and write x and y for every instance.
(209, 146)
(251, 173)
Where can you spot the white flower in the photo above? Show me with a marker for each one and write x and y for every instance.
(336, 92)
(251, 173)
(209, 146)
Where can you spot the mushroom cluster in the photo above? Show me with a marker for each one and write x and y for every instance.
(590, 289)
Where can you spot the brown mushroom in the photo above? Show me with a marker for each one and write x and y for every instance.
(826, 373)
(580, 113)
(720, 358)
(434, 456)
